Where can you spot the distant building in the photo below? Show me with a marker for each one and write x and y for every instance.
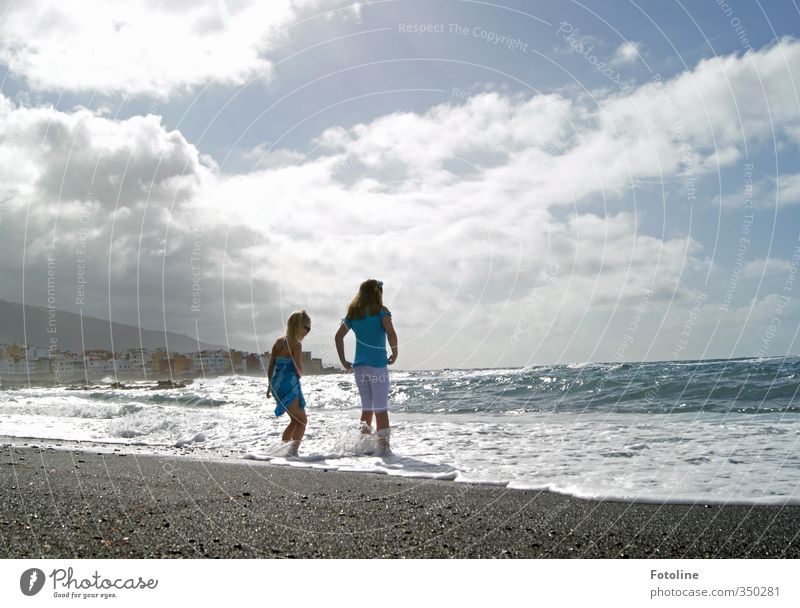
(158, 361)
(66, 366)
(238, 361)
(13, 351)
(19, 363)
(37, 352)
(139, 359)
(99, 362)
(210, 362)
(22, 364)
(257, 363)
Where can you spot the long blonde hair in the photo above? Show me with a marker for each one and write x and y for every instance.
(295, 323)
(368, 300)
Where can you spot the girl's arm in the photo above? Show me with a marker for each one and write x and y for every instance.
(340, 334)
(270, 369)
(297, 357)
(391, 335)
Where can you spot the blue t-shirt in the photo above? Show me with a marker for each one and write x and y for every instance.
(370, 339)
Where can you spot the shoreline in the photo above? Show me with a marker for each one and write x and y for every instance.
(191, 451)
(86, 501)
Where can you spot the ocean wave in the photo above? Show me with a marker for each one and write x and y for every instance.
(186, 399)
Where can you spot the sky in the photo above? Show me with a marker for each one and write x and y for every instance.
(534, 182)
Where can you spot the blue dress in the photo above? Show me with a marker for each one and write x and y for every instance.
(286, 385)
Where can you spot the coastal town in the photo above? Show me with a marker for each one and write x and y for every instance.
(19, 363)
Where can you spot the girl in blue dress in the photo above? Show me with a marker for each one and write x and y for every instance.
(285, 371)
(372, 323)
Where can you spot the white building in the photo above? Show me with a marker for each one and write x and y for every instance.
(138, 359)
(36, 352)
(18, 367)
(66, 365)
(211, 362)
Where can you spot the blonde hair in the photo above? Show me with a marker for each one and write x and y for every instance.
(295, 323)
(368, 300)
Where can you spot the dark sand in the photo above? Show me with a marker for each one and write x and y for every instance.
(77, 503)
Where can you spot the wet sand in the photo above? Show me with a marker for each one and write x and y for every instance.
(79, 502)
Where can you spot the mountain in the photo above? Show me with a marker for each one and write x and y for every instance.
(96, 332)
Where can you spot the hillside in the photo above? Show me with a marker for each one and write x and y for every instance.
(97, 333)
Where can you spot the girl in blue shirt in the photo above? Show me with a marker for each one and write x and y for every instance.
(372, 323)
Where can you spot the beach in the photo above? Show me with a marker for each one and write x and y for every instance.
(89, 501)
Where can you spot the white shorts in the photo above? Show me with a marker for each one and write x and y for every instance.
(373, 386)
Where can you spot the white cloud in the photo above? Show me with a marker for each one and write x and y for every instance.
(710, 109)
(756, 269)
(762, 309)
(455, 205)
(788, 187)
(50, 156)
(143, 46)
(456, 208)
(355, 11)
(688, 126)
(626, 53)
(767, 193)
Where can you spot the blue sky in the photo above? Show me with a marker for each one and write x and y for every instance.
(523, 204)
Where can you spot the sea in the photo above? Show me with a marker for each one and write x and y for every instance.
(692, 432)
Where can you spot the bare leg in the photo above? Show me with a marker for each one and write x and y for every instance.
(299, 420)
(366, 422)
(289, 432)
(365, 392)
(382, 422)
